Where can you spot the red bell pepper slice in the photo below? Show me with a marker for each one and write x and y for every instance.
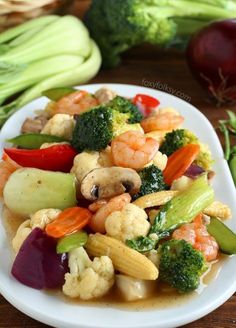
(54, 158)
(145, 103)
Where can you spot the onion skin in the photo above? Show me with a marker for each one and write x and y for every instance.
(211, 56)
(194, 171)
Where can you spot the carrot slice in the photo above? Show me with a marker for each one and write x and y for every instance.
(7, 167)
(179, 162)
(70, 220)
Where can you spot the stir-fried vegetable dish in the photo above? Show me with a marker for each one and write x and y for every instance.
(113, 193)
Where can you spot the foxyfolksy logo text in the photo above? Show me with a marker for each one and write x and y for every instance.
(166, 88)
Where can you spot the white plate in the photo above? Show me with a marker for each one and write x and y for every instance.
(54, 311)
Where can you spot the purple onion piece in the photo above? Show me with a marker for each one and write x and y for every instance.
(37, 264)
(194, 171)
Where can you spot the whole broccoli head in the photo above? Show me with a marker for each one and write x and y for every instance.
(181, 265)
(152, 181)
(124, 105)
(182, 137)
(95, 129)
(118, 25)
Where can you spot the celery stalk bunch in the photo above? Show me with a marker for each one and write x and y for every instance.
(44, 53)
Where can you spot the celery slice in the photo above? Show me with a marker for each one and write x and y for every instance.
(187, 205)
(181, 209)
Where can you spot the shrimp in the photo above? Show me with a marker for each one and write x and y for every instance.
(133, 149)
(105, 208)
(197, 235)
(162, 121)
(76, 103)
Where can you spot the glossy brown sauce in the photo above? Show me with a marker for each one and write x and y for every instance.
(162, 295)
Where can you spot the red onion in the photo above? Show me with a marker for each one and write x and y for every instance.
(211, 55)
(194, 171)
(37, 264)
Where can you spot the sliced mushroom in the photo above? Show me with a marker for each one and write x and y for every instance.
(109, 182)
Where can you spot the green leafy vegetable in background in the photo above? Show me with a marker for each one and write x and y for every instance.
(228, 128)
(44, 53)
(118, 25)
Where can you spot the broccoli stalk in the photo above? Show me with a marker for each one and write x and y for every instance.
(181, 265)
(118, 25)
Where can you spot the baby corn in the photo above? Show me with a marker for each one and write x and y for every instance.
(125, 259)
(155, 199)
(219, 210)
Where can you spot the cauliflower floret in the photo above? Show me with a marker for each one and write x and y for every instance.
(37, 220)
(154, 256)
(104, 95)
(158, 135)
(22, 233)
(84, 163)
(88, 279)
(43, 217)
(61, 125)
(129, 223)
(160, 160)
(182, 183)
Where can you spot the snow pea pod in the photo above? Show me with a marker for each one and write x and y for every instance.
(232, 164)
(69, 242)
(57, 93)
(33, 140)
(225, 237)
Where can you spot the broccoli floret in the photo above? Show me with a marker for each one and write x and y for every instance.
(181, 265)
(95, 129)
(173, 141)
(182, 137)
(124, 105)
(152, 181)
(118, 25)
